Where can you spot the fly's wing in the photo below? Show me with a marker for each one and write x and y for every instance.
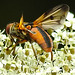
(53, 18)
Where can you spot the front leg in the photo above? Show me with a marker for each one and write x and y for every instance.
(16, 43)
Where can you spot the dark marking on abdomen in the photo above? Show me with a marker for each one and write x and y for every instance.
(45, 36)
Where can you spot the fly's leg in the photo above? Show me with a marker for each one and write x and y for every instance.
(35, 55)
(16, 43)
(51, 56)
(34, 52)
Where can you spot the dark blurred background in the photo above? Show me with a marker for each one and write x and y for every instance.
(11, 10)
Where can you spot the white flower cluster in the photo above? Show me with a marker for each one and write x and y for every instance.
(23, 62)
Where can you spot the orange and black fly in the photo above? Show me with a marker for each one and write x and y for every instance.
(35, 31)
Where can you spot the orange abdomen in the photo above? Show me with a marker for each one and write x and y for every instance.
(42, 38)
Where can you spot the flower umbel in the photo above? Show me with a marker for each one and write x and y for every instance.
(25, 63)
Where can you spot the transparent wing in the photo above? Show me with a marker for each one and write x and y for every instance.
(53, 18)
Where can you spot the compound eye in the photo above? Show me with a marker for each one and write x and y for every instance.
(8, 28)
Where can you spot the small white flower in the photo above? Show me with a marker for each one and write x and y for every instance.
(72, 71)
(73, 62)
(67, 23)
(69, 16)
(58, 38)
(56, 69)
(66, 74)
(65, 35)
(73, 26)
(38, 73)
(1, 65)
(54, 34)
(13, 65)
(4, 61)
(2, 37)
(1, 43)
(71, 41)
